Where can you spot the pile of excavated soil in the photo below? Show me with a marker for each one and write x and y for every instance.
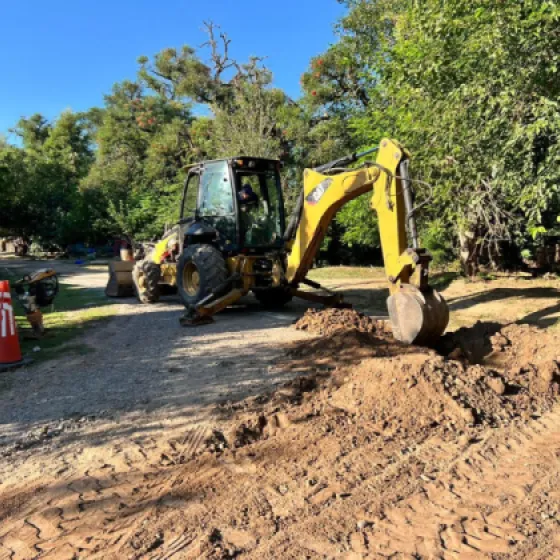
(525, 357)
(488, 375)
(329, 321)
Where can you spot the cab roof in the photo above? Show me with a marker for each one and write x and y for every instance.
(236, 160)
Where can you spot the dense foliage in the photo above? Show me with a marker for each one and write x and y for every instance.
(471, 88)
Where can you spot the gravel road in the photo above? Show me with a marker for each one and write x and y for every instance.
(145, 367)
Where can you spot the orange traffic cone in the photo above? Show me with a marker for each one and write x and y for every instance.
(10, 352)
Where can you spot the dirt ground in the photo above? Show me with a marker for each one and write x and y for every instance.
(252, 438)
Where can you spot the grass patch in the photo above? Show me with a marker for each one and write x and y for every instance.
(334, 272)
(439, 279)
(74, 310)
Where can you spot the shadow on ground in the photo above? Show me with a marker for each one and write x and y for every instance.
(541, 317)
(144, 362)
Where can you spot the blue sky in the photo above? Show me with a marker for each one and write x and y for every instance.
(61, 54)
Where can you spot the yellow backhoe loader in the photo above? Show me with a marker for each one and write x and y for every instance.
(231, 239)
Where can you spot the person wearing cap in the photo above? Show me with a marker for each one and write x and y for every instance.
(247, 195)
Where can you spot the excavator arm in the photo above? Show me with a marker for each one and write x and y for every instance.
(418, 313)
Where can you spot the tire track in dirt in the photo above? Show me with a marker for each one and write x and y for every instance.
(94, 512)
(470, 512)
(348, 464)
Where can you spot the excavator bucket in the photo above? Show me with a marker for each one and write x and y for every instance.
(417, 317)
(120, 279)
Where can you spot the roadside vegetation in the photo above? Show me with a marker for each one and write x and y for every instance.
(74, 309)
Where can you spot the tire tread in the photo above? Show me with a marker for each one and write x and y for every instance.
(212, 270)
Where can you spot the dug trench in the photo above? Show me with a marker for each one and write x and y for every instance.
(375, 450)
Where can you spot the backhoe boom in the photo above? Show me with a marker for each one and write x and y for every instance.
(418, 313)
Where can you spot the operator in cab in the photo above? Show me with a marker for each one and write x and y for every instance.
(251, 216)
(247, 196)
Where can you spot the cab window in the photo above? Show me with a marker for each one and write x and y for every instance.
(217, 197)
(261, 216)
(191, 197)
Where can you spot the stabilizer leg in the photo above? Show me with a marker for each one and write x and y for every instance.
(202, 313)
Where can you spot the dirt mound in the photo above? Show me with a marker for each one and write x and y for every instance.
(341, 349)
(486, 374)
(405, 392)
(410, 390)
(330, 321)
(470, 343)
(526, 357)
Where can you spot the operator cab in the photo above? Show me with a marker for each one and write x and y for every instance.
(238, 201)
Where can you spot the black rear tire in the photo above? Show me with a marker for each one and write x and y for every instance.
(200, 271)
(145, 276)
(273, 298)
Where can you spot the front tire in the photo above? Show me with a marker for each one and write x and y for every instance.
(200, 271)
(145, 276)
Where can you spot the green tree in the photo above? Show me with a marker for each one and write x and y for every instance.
(340, 87)
(15, 189)
(40, 180)
(248, 122)
(147, 134)
(472, 90)
(143, 146)
(33, 131)
(479, 81)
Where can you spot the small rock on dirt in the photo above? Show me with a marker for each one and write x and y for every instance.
(497, 385)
